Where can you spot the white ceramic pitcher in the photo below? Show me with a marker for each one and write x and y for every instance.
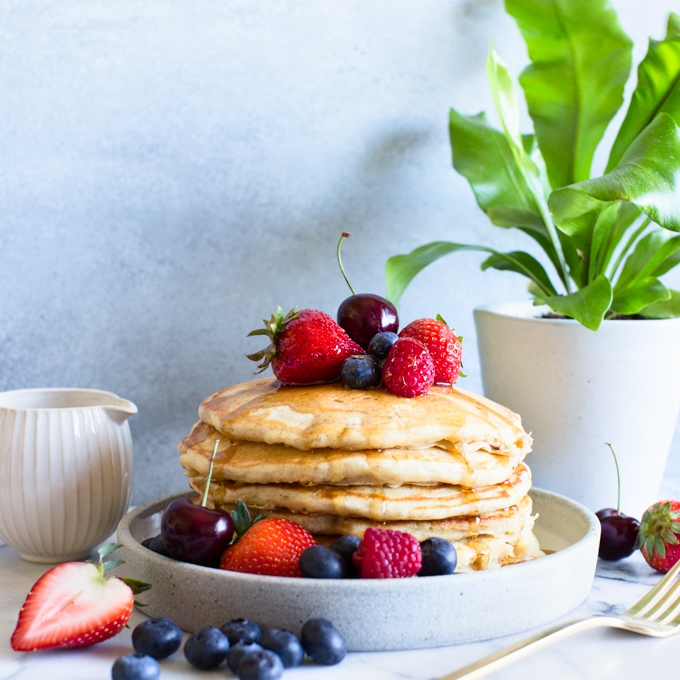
(66, 470)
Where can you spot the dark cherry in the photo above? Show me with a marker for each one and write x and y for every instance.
(364, 315)
(618, 531)
(618, 536)
(193, 533)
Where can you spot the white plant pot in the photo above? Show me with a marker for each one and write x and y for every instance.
(576, 390)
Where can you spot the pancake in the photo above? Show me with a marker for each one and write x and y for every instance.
(333, 416)
(506, 522)
(255, 462)
(381, 503)
(483, 546)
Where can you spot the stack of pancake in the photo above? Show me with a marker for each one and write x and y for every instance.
(337, 461)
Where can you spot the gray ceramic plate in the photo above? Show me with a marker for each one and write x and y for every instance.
(378, 615)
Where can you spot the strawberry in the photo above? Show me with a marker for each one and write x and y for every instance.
(306, 347)
(384, 553)
(271, 546)
(444, 345)
(408, 370)
(659, 533)
(73, 605)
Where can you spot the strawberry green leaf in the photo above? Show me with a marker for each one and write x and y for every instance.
(587, 305)
(580, 62)
(136, 586)
(647, 176)
(658, 89)
(659, 547)
(107, 549)
(241, 518)
(669, 537)
(111, 564)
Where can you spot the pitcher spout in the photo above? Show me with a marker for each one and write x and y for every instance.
(120, 410)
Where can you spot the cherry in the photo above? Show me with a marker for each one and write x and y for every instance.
(194, 533)
(618, 536)
(619, 532)
(364, 315)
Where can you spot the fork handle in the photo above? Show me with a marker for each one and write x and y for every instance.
(505, 657)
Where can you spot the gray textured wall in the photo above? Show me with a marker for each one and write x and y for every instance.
(171, 171)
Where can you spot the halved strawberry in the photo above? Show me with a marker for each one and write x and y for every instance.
(73, 605)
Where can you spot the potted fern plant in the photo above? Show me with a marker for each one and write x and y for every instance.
(595, 355)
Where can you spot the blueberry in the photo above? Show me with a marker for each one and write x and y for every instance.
(158, 638)
(318, 561)
(285, 644)
(361, 372)
(206, 648)
(147, 542)
(381, 343)
(261, 665)
(238, 651)
(157, 545)
(346, 546)
(323, 642)
(439, 557)
(241, 630)
(135, 667)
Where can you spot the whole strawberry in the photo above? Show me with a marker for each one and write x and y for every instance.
(659, 534)
(307, 347)
(272, 546)
(384, 553)
(443, 344)
(74, 605)
(408, 370)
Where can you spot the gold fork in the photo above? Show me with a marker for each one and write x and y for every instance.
(656, 614)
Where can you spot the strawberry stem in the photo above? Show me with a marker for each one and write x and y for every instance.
(618, 480)
(345, 234)
(204, 500)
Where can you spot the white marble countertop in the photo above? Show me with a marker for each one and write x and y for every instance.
(602, 654)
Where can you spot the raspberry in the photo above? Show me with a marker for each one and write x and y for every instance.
(408, 370)
(385, 553)
(443, 344)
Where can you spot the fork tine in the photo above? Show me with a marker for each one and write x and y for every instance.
(665, 608)
(645, 603)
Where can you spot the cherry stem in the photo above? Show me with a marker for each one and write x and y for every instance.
(204, 500)
(345, 234)
(618, 480)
